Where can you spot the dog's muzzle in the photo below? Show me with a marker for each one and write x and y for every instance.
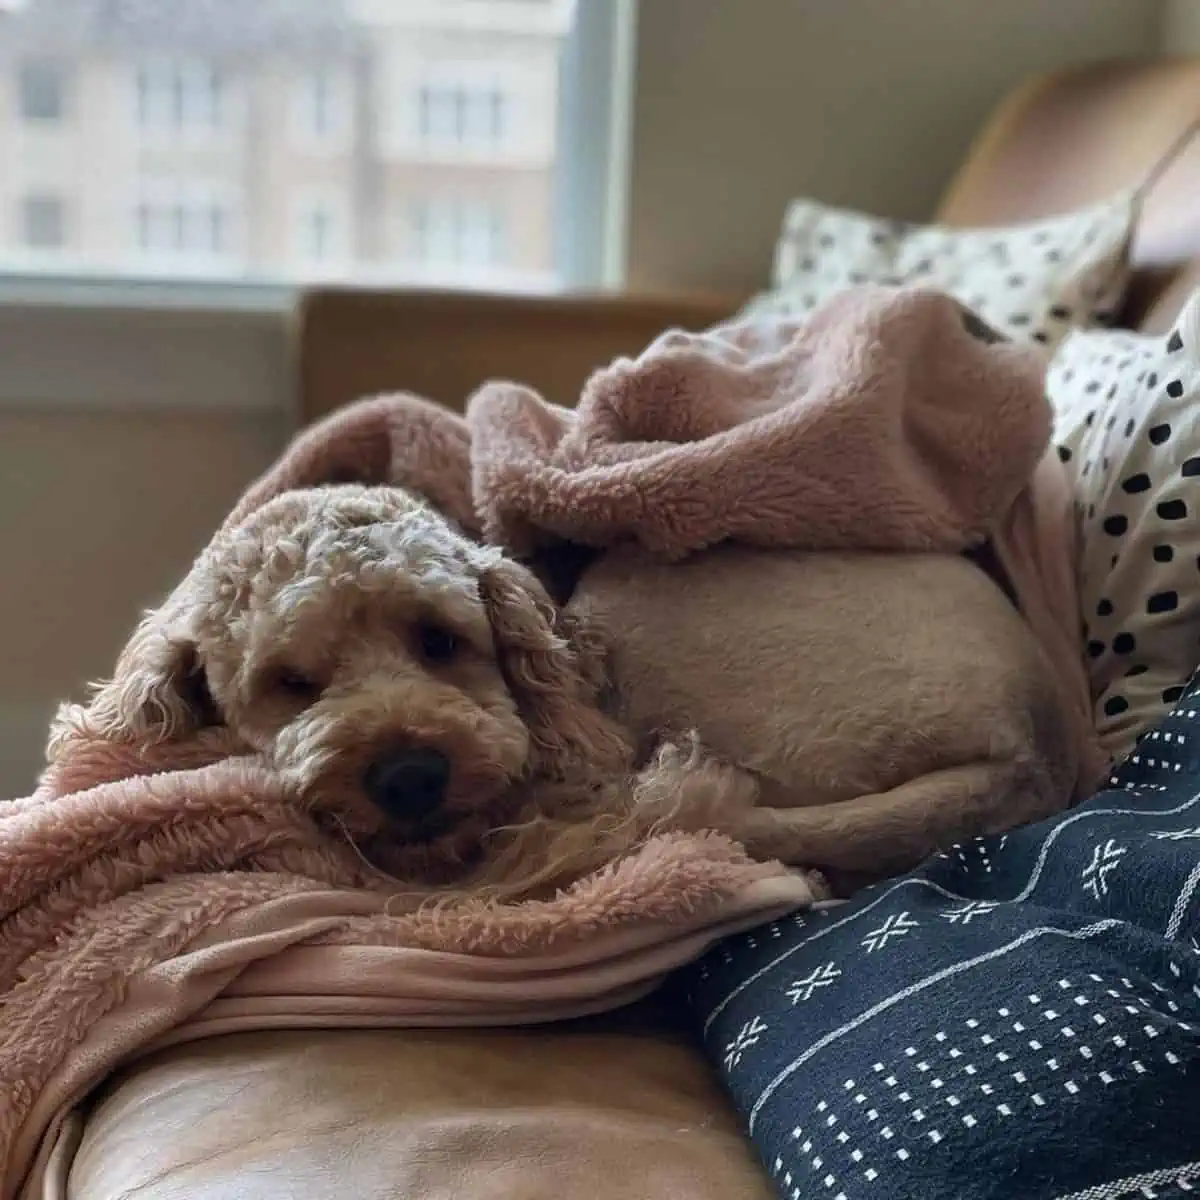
(408, 784)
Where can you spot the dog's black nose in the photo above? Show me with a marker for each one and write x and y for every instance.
(409, 785)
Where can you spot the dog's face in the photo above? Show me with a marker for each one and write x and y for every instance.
(348, 639)
(401, 676)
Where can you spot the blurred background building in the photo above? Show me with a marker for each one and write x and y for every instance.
(398, 140)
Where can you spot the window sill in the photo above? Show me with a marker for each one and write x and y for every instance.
(82, 344)
(70, 344)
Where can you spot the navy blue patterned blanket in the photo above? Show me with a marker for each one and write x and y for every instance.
(1019, 1018)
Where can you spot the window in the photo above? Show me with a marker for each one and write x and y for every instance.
(303, 135)
(179, 97)
(458, 233)
(462, 115)
(41, 87)
(320, 233)
(43, 222)
(321, 107)
(182, 224)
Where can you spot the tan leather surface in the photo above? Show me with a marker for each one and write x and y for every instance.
(599, 1111)
(443, 345)
(1078, 136)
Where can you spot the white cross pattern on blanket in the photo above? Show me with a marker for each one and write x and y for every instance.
(896, 926)
(964, 914)
(747, 1037)
(1105, 860)
(803, 989)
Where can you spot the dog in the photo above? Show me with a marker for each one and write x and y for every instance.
(849, 715)
(420, 691)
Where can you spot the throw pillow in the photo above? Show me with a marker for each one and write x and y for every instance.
(1032, 282)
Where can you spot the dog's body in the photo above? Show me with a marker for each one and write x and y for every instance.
(886, 705)
(424, 693)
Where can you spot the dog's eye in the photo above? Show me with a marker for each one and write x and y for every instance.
(436, 643)
(296, 685)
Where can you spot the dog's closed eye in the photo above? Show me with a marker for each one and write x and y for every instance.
(436, 644)
(295, 685)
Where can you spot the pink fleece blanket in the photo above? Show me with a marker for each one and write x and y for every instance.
(883, 422)
(158, 908)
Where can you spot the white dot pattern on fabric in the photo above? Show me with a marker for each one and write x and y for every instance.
(1033, 282)
(1127, 423)
(962, 1075)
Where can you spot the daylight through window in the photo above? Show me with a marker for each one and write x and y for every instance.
(380, 140)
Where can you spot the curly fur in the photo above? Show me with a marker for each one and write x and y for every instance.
(295, 637)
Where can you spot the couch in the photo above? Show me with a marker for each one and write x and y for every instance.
(621, 1106)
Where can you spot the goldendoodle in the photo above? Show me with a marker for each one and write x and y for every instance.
(421, 692)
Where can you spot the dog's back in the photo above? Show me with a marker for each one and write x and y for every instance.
(837, 677)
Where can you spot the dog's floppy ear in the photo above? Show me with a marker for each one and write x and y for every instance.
(555, 689)
(157, 693)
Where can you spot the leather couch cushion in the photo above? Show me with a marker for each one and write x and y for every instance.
(611, 1109)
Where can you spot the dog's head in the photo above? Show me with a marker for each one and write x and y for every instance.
(403, 677)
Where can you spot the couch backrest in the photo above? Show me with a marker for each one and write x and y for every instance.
(1079, 135)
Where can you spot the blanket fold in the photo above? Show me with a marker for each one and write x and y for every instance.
(163, 907)
(880, 423)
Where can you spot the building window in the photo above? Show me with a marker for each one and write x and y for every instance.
(43, 222)
(321, 107)
(42, 88)
(182, 228)
(318, 234)
(464, 116)
(320, 230)
(180, 97)
(458, 233)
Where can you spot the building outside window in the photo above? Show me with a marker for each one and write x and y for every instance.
(296, 135)
(41, 89)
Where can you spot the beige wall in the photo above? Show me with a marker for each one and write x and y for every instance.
(868, 103)
(1181, 26)
(102, 512)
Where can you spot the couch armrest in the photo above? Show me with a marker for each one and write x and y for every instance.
(444, 344)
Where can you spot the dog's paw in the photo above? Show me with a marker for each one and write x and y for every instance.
(695, 792)
(820, 887)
